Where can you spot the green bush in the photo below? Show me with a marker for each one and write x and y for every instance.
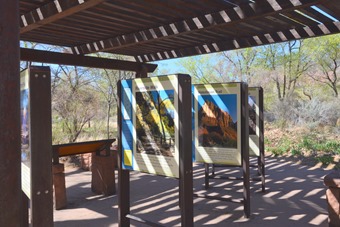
(313, 144)
(325, 160)
(296, 152)
(308, 143)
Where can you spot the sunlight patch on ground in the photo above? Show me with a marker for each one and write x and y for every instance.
(218, 219)
(221, 207)
(330, 166)
(318, 220)
(290, 194)
(297, 217)
(271, 194)
(170, 219)
(200, 217)
(317, 166)
(270, 218)
(86, 214)
(314, 192)
(241, 208)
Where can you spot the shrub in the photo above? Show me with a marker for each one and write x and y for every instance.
(325, 159)
(296, 152)
(311, 113)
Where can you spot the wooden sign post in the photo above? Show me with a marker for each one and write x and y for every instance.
(36, 144)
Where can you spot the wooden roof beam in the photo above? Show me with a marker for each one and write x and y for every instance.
(257, 40)
(53, 11)
(85, 61)
(225, 17)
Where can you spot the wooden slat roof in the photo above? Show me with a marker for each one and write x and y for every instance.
(152, 30)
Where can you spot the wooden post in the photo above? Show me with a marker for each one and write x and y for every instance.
(41, 146)
(245, 148)
(10, 196)
(185, 155)
(123, 176)
(261, 145)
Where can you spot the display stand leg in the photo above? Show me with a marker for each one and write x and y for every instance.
(245, 150)
(262, 168)
(206, 171)
(124, 194)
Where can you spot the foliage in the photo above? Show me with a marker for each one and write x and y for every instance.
(282, 147)
(310, 147)
(72, 101)
(325, 56)
(284, 63)
(243, 63)
(325, 159)
(105, 82)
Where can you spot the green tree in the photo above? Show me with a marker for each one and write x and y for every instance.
(73, 101)
(105, 82)
(242, 62)
(285, 63)
(200, 68)
(325, 52)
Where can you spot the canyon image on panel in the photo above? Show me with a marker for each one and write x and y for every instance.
(155, 122)
(217, 121)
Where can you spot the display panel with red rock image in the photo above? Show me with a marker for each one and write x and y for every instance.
(217, 123)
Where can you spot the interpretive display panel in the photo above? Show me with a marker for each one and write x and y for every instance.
(217, 117)
(150, 125)
(25, 124)
(254, 121)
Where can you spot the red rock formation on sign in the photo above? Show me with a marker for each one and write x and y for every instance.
(214, 116)
(216, 127)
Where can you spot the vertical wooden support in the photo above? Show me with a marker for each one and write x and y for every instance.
(185, 148)
(41, 146)
(10, 196)
(123, 175)
(261, 145)
(245, 148)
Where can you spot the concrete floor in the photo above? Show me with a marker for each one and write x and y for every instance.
(295, 196)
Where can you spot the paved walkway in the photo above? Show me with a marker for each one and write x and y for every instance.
(295, 196)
